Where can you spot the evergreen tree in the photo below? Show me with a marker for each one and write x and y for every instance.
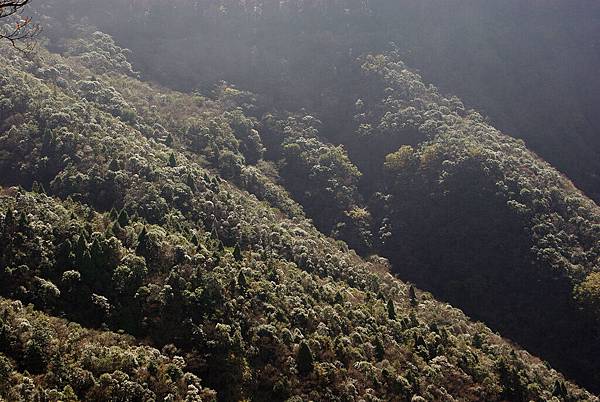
(23, 220)
(190, 182)
(9, 219)
(142, 241)
(214, 233)
(169, 140)
(560, 390)
(379, 349)
(304, 359)
(172, 160)
(117, 229)
(81, 246)
(242, 281)
(412, 294)
(237, 252)
(123, 218)
(391, 310)
(113, 214)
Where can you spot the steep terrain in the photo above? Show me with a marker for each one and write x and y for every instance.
(162, 221)
(531, 68)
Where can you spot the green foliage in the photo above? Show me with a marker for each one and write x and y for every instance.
(86, 365)
(588, 294)
(303, 319)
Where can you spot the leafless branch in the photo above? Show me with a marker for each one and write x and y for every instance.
(22, 29)
(10, 7)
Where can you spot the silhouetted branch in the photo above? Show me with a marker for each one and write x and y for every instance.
(10, 7)
(22, 29)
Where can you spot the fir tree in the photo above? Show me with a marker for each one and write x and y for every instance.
(391, 310)
(123, 218)
(214, 233)
(304, 359)
(169, 140)
(172, 160)
(117, 230)
(190, 182)
(379, 348)
(559, 389)
(412, 294)
(9, 219)
(142, 240)
(242, 281)
(81, 246)
(23, 221)
(113, 214)
(237, 252)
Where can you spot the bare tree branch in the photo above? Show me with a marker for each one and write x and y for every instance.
(10, 7)
(22, 29)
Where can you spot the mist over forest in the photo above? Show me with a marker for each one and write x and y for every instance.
(300, 200)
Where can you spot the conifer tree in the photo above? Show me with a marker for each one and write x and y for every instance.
(117, 230)
(142, 240)
(190, 182)
(412, 294)
(237, 252)
(379, 349)
(242, 281)
(172, 160)
(391, 310)
(9, 219)
(560, 390)
(214, 233)
(123, 218)
(195, 240)
(23, 220)
(113, 214)
(304, 359)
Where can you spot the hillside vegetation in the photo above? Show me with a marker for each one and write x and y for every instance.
(457, 207)
(530, 67)
(130, 208)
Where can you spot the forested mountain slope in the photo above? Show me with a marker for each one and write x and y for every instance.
(149, 229)
(530, 66)
(467, 213)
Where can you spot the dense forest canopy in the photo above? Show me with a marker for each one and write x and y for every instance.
(522, 63)
(231, 210)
